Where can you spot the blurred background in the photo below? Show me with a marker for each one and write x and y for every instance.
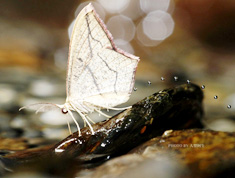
(178, 41)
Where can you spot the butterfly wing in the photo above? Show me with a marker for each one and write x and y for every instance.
(98, 72)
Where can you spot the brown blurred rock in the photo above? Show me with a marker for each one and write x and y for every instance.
(13, 144)
(204, 152)
(189, 153)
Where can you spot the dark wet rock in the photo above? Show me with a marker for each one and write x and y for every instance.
(176, 108)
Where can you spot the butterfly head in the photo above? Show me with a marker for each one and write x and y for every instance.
(64, 110)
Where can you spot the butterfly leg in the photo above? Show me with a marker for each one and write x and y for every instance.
(118, 109)
(69, 127)
(90, 119)
(97, 110)
(83, 117)
(71, 114)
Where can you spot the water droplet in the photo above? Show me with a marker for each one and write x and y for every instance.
(149, 83)
(203, 86)
(229, 106)
(103, 144)
(162, 78)
(135, 89)
(215, 97)
(188, 81)
(176, 78)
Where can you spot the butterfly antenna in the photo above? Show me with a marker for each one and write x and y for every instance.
(71, 114)
(39, 109)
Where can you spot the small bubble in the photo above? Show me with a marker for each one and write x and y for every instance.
(103, 144)
(229, 106)
(162, 78)
(215, 97)
(203, 87)
(149, 83)
(176, 78)
(188, 81)
(135, 89)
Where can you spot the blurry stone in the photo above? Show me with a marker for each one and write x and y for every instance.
(32, 133)
(13, 144)
(7, 95)
(17, 77)
(44, 88)
(27, 174)
(52, 166)
(222, 124)
(19, 122)
(16, 57)
(56, 118)
(61, 57)
(138, 166)
(4, 121)
(12, 132)
(30, 43)
(56, 133)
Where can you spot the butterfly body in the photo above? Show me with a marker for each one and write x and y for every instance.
(99, 75)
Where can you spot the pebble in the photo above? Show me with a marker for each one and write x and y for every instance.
(42, 88)
(56, 118)
(7, 95)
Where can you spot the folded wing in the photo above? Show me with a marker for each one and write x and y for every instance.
(98, 72)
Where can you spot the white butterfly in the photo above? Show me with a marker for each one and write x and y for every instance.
(99, 75)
